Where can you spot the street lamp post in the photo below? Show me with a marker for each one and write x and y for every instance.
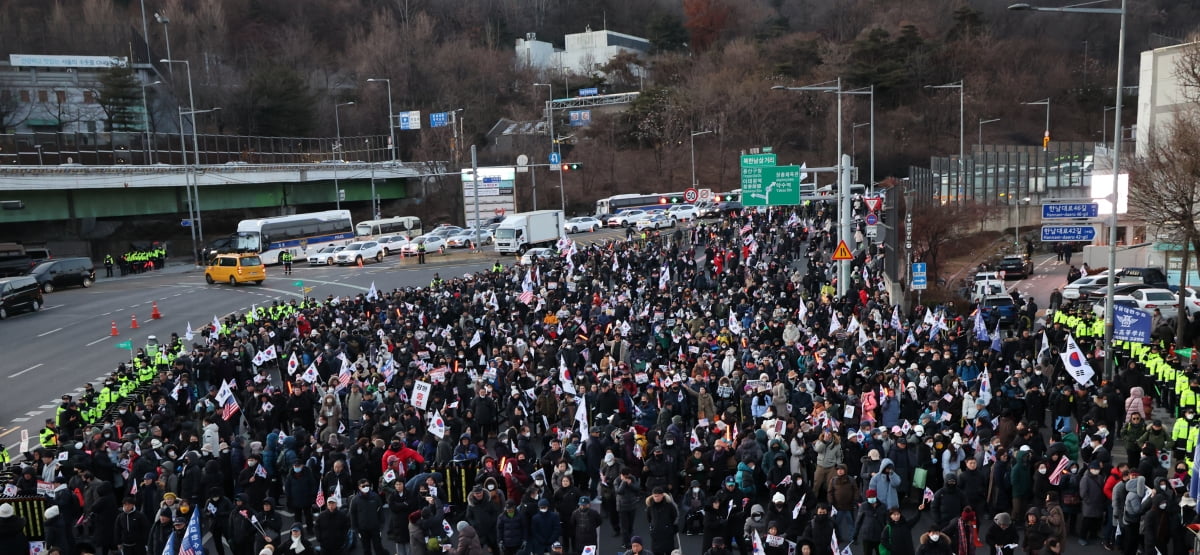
(391, 128)
(983, 122)
(145, 31)
(1104, 126)
(1046, 137)
(562, 195)
(193, 198)
(844, 232)
(146, 115)
(961, 121)
(39, 149)
(337, 148)
(164, 20)
(1109, 363)
(692, 140)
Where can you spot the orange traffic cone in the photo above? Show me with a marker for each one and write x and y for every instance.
(134, 325)
(155, 314)
(360, 262)
(114, 332)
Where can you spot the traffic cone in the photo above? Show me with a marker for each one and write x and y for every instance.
(360, 262)
(134, 325)
(114, 332)
(155, 314)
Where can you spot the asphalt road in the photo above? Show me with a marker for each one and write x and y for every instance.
(68, 343)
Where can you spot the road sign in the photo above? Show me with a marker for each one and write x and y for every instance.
(873, 203)
(522, 164)
(499, 211)
(842, 252)
(555, 158)
(872, 219)
(341, 195)
(705, 195)
(409, 120)
(593, 91)
(1082, 233)
(752, 177)
(491, 179)
(919, 279)
(691, 195)
(185, 223)
(439, 119)
(779, 186)
(1070, 210)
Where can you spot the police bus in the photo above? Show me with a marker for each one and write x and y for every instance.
(617, 203)
(296, 234)
(408, 226)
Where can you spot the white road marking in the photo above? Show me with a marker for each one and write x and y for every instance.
(34, 413)
(34, 367)
(52, 307)
(96, 341)
(20, 420)
(49, 332)
(48, 406)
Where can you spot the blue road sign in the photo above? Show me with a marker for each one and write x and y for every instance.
(555, 158)
(1070, 210)
(1084, 233)
(593, 91)
(439, 119)
(491, 179)
(919, 279)
(409, 120)
(872, 219)
(185, 223)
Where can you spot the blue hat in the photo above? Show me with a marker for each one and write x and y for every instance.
(543, 502)
(585, 500)
(729, 481)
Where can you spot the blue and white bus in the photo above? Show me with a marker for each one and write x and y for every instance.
(297, 234)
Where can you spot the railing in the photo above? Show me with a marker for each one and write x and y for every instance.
(133, 149)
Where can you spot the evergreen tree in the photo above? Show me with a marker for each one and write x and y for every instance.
(119, 94)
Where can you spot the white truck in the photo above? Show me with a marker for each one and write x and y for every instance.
(526, 230)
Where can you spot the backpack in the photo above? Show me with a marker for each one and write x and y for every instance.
(887, 533)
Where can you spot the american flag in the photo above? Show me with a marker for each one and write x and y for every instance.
(231, 407)
(320, 497)
(747, 229)
(344, 377)
(526, 297)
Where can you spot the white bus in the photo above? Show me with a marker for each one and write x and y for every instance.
(616, 203)
(297, 233)
(409, 226)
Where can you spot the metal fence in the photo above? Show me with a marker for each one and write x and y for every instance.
(135, 148)
(1002, 174)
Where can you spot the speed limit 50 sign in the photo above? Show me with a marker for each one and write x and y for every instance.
(691, 195)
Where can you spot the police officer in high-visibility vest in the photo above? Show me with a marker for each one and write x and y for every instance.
(286, 258)
(49, 435)
(437, 281)
(421, 253)
(498, 267)
(1181, 433)
(108, 264)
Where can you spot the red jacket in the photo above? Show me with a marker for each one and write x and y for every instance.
(1114, 478)
(404, 455)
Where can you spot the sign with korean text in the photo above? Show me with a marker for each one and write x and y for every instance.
(752, 176)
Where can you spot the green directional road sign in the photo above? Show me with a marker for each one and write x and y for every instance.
(125, 344)
(298, 284)
(752, 175)
(780, 187)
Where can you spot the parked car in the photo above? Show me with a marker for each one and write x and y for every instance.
(463, 239)
(1015, 265)
(729, 207)
(19, 293)
(1072, 291)
(432, 243)
(684, 212)
(1120, 300)
(1093, 293)
(1191, 300)
(656, 221)
(359, 252)
(582, 223)
(625, 218)
(540, 253)
(64, 272)
(1163, 300)
(235, 269)
(324, 255)
(392, 244)
(1149, 276)
(445, 231)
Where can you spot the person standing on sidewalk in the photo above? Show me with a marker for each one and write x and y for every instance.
(108, 264)
(286, 258)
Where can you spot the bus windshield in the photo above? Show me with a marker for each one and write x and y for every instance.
(246, 242)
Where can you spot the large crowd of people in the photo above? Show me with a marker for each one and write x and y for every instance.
(708, 382)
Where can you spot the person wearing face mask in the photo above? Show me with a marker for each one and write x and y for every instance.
(691, 509)
(663, 517)
(934, 542)
(545, 528)
(300, 488)
(1036, 532)
(869, 523)
(564, 500)
(948, 502)
(1041, 481)
(294, 543)
(331, 527)
(820, 531)
(1156, 525)
(511, 531)
(366, 518)
(252, 482)
(756, 522)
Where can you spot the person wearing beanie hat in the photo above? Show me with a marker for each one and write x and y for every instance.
(55, 529)
(466, 540)
(628, 490)
(662, 515)
(869, 522)
(843, 495)
(131, 528)
(1002, 537)
(510, 529)
(161, 531)
(545, 526)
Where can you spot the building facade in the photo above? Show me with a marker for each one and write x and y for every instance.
(1161, 94)
(584, 53)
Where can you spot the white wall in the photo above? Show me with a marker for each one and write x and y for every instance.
(1159, 93)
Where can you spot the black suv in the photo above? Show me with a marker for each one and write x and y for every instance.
(19, 293)
(64, 272)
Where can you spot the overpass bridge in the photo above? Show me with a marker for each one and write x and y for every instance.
(74, 192)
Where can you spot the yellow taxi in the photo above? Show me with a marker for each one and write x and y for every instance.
(235, 268)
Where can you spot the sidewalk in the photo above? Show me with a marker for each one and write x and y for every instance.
(172, 267)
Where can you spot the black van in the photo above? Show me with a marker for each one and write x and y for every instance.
(64, 272)
(19, 293)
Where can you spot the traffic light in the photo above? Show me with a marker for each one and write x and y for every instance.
(573, 166)
(662, 200)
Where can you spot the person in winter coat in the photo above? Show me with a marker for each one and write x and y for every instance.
(511, 532)
(12, 535)
(366, 517)
(564, 501)
(821, 531)
(716, 521)
(868, 525)
(629, 494)
(1002, 537)
(544, 528)
(1156, 526)
(757, 522)
(1055, 519)
(466, 541)
(1137, 504)
(104, 512)
(896, 536)
(843, 496)
(585, 525)
(829, 454)
(399, 506)
(1021, 480)
(482, 513)
(948, 502)
(934, 542)
(962, 532)
(662, 516)
(162, 530)
(691, 509)
(294, 543)
(331, 527)
(58, 534)
(1036, 532)
(886, 484)
(300, 488)
(241, 531)
(131, 529)
(973, 483)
